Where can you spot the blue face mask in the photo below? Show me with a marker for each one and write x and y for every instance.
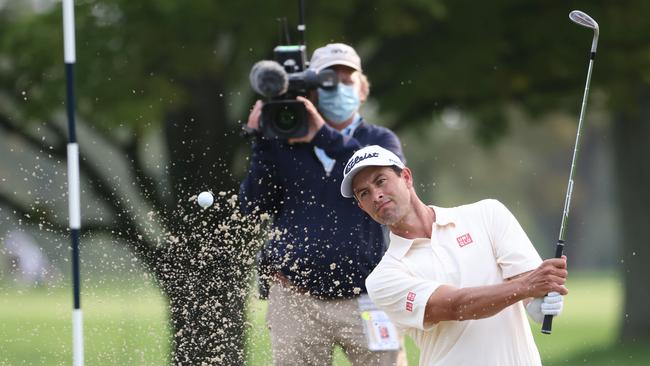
(338, 105)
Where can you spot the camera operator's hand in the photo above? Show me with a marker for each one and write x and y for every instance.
(314, 119)
(254, 116)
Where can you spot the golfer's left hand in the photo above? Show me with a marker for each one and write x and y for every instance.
(550, 304)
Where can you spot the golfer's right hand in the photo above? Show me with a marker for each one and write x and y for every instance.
(255, 115)
(550, 276)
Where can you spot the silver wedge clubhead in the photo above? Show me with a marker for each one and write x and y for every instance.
(581, 18)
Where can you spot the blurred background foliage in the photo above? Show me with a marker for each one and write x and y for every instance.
(484, 95)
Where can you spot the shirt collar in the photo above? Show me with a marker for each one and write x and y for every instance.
(444, 216)
(349, 130)
(399, 245)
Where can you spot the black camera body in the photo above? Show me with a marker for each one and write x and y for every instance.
(281, 81)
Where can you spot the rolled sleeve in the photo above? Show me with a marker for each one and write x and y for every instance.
(402, 296)
(514, 251)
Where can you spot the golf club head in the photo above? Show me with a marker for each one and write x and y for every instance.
(583, 19)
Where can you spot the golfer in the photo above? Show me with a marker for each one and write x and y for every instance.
(456, 280)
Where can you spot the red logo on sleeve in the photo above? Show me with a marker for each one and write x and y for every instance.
(410, 296)
(464, 240)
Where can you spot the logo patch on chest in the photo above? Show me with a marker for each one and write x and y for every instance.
(464, 240)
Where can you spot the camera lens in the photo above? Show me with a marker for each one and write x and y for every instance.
(286, 120)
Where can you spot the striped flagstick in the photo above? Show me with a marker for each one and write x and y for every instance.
(73, 180)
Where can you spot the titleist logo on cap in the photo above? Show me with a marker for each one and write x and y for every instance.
(358, 159)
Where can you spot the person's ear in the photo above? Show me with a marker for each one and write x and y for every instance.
(408, 177)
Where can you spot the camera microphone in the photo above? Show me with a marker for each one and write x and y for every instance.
(269, 78)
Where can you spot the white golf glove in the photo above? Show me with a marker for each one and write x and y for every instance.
(550, 304)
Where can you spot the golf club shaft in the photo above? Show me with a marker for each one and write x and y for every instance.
(559, 248)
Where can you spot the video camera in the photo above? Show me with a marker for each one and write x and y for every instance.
(280, 82)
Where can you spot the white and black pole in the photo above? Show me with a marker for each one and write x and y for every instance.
(73, 180)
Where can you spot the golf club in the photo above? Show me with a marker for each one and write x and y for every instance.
(584, 20)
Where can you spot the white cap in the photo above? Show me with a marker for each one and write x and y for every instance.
(334, 54)
(373, 155)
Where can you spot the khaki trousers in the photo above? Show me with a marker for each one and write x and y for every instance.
(304, 331)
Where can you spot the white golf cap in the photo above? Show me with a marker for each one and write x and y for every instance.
(373, 155)
(335, 54)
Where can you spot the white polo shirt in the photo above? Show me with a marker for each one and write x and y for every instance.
(474, 245)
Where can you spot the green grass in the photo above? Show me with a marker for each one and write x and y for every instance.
(121, 327)
(126, 325)
(588, 322)
(586, 331)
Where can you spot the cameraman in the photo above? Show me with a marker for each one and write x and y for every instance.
(326, 247)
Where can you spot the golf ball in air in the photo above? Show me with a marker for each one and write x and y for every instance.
(205, 199)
